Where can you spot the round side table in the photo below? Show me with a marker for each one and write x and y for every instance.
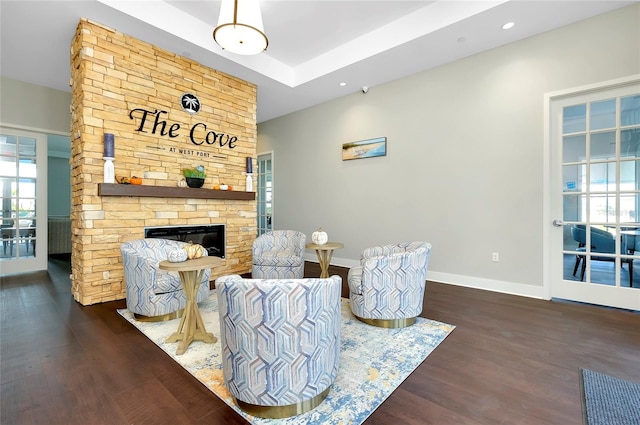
(324, 253)
(191, 327)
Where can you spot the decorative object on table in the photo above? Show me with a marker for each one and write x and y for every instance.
(194, 250)
(182, 183)
(387, 288)
(249, 183)
(123, 180)
(364, 148)
(109, 151)
(222, 186)
(319, 237)
(135, 180)
(194, 176)
(177, 255)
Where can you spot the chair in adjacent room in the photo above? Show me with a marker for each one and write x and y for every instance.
(154, 294)
(387, 288)
(280, 342)
(602, 242)
(7, 235)
(278, 254)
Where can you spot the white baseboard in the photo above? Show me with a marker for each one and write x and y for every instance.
(511, 288)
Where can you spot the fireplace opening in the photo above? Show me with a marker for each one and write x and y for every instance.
(211, 237)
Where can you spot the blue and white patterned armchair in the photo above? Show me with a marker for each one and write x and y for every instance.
(278, 254)
(280, 342)
(387, 288)
(154, 294)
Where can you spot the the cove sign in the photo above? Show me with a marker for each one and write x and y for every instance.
(151, 120)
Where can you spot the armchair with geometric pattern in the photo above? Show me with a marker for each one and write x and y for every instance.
(154, 294)
(387, 288)
(280, 342)
(278, 254)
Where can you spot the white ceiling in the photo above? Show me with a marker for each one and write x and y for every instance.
(313, 45)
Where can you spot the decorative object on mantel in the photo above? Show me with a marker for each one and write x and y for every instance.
(194, 182)
(240, 28)
(109, 148)
(222, 186)
(128, 180)
(249, 185)
(194, 176)
(319, 237)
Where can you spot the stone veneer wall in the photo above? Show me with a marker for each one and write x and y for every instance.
(111, 75)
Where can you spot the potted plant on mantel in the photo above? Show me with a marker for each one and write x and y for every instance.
(195, 176)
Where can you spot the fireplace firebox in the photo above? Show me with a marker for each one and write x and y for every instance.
(211, 237)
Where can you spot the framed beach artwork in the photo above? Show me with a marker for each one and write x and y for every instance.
(364, 148)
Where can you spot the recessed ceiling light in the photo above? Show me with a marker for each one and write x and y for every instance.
(343, 84)
(508, 25)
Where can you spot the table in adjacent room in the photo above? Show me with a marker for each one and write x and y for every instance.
(191, 326)
(324, 253)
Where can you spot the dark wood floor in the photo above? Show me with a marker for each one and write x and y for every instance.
(511, 360)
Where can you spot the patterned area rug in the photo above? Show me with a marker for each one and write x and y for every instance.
(373, 362)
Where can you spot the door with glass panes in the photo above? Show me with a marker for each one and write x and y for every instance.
(23, 199)
(595, 146)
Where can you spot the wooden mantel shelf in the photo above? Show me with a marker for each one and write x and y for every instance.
(114, 189)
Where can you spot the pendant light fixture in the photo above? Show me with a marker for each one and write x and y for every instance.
(240, 28)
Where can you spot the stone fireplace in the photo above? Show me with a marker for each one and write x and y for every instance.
(136, 91)
(211, 237)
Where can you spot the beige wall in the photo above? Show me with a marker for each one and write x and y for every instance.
(114, 74)
(465, 155)
(34, 107)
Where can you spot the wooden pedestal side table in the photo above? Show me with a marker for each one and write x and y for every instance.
(324, 253)
(191, 326)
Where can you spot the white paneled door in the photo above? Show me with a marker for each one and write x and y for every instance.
(594, 188)
(23, 200)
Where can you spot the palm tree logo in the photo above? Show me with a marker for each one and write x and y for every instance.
(190, 103)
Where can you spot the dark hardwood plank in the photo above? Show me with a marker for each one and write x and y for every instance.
(510, 360)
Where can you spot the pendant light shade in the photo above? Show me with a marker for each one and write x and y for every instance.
(240, 28)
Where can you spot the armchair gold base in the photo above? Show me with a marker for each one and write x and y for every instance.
(389, 323)
(279, 412)
(161, 318)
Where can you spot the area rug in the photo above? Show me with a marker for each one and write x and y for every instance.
(373, 363)
(607, 400)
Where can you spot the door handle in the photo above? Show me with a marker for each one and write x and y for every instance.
(557, 223)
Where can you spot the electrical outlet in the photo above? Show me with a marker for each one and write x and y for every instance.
(495, 257)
